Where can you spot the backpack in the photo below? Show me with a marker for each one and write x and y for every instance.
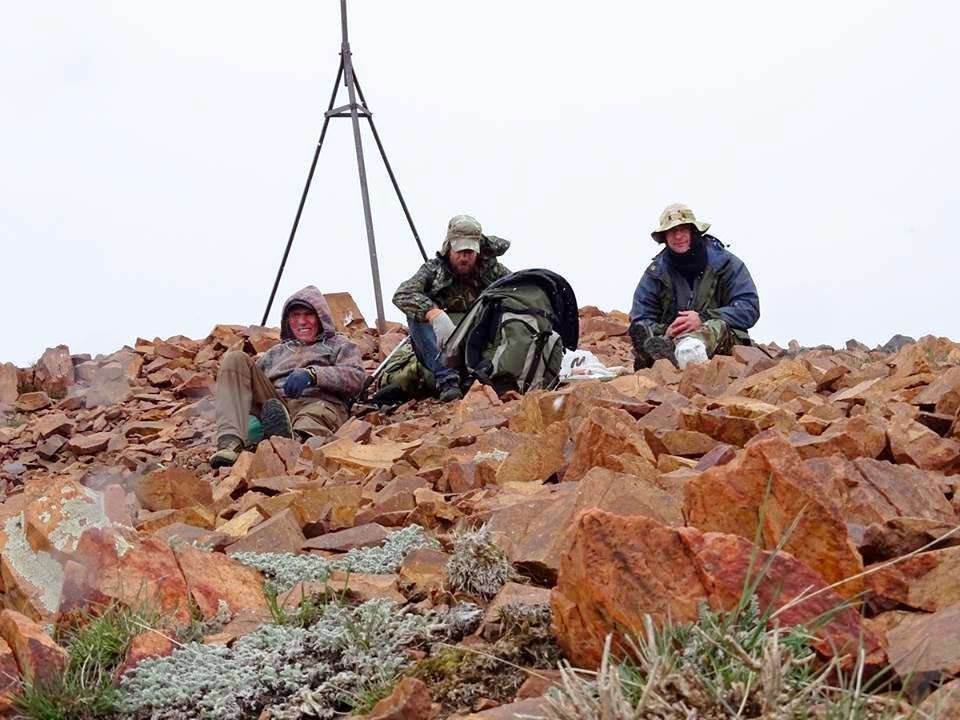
(514, 335)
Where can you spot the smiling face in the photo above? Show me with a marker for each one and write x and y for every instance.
(304, 324)
(679, 238)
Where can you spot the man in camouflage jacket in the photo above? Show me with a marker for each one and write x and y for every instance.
(695, 300)
(442, 290)
(300, 387)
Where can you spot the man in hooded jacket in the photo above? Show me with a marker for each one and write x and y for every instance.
(696, 299)
(300, 387)
(444, 288)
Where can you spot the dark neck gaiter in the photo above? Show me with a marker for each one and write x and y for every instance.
(693, 262)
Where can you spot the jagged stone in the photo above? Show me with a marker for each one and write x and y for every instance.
(609, 439)
(280, 533)
(617, 569)
(926, 643)
(38, 656)
(911, 442)
(927, 581)
(54, 371)
(173, 488)
(32, 401)
(770, 481)
(532, 531)
(213, 578)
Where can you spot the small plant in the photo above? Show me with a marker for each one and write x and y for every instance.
(285, 570)
(478, 566)
(727, 664)
(96, 644)
(307, 611)
(318, 671)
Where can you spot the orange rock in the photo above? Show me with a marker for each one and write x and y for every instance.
(943, 393)
(89, 444)
(54, 371)
(926, 643)
(911, 442)
(422, 571)
(138, 574)
(149, 644)
(9, 677)
(173, 488)
(610, 439)
(732, 498)
(213, 577)
(410, 700)
(281, 533)
(927, 581)
(859, 436)
(9, 382)
(616, 569)
(32, 401)
(532, 531)
(721, 426)
(38, 657)
(195, 515)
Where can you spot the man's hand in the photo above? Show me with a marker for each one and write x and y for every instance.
(443, 328)
(296, 383)
(687, 321)
(432, 313)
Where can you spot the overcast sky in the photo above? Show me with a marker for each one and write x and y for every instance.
(153, 155)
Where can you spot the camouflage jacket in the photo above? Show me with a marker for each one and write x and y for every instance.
(335, 359)
(725, 292)
(436, 285)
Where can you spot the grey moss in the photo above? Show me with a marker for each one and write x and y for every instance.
(285, 570)
(318, 671)
(477, 565)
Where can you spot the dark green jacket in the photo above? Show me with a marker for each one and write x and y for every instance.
(436, 285)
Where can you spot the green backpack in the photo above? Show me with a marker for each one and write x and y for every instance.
(514, 335)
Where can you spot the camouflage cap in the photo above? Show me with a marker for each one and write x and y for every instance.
(674, 216)
(463, 233)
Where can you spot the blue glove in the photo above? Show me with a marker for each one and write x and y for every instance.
(296, 383)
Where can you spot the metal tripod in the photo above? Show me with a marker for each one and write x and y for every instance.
(354, 111)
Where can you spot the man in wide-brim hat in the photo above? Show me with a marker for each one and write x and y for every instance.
(695, 300)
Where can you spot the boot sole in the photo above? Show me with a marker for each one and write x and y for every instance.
(276, 420)
(661, 348)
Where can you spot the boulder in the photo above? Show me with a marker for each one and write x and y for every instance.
(769, 493)
(616, 570)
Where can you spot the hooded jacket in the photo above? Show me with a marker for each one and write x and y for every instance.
(436, 285)
(725, 291)
(335, 360)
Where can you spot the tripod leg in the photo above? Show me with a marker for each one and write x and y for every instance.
(303, 197)
(386, 163)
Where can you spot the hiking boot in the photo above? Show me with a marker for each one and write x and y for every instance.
(450, 391)
(229, 448)
(660, 348)
(276, 420)
(641, 358)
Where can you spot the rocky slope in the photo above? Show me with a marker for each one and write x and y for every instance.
(599, 503)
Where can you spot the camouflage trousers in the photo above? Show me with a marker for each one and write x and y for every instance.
(715, 335)
(242, 388)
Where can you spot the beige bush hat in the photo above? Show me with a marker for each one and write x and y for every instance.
(674, 215)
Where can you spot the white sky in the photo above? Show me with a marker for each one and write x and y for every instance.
(153, 155)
